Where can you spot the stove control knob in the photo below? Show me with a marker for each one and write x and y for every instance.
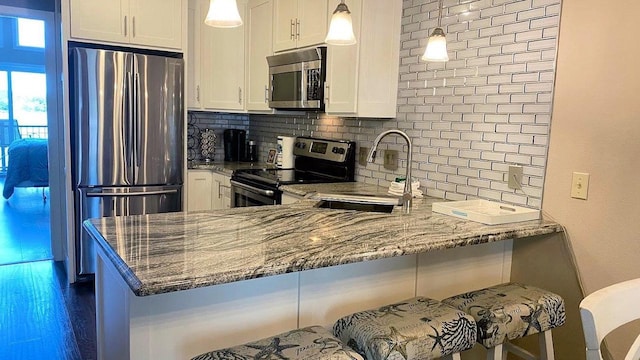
(334, 150)
(337, 150)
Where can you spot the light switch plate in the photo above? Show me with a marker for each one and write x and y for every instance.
(580, 185)
(391, 159)
(515, 177)
(362, 156)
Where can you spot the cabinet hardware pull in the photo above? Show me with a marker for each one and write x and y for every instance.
(240, 95)
(297, 29)
(266, 94)
(326, 93)
(292, 31)
(125, 25)
(198, 93)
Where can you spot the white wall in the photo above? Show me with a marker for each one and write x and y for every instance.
(596, 129)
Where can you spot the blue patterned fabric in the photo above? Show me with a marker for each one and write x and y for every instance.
(310, 343)
(510, 311)
(415, 329)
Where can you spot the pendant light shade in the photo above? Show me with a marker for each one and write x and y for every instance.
(437, 44)
(223, 14)
(436, 47)
(341, 27)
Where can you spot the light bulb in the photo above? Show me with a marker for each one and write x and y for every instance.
(341, 27)
(436, 47)
(223, 14)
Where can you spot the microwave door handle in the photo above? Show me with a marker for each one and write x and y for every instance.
(303, 87)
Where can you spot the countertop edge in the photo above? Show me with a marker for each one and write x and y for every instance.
(537, 228)
(128, 275)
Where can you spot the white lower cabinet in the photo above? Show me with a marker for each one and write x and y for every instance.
(199, 188)
(207, 190)
(221, 191)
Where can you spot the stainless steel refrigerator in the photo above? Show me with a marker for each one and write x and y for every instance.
(127, 137)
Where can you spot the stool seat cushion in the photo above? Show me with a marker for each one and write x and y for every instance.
(417, 328)
(313, 343)
(510, 311)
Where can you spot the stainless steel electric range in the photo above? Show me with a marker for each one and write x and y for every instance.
(316, 161)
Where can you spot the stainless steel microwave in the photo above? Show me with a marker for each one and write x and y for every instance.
(297, 79)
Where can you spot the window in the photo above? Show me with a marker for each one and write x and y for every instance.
(29, 92)
(4, 96)
(31, 33)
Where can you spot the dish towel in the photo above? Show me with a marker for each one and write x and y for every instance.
(397, 188)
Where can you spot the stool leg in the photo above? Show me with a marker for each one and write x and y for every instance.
(545, 341)
(496, 353)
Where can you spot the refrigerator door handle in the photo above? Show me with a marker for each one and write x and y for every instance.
(128, 115)
(137, 193)
(138, 118)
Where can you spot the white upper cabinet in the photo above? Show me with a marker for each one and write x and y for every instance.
(195, 21)
(216, 62)
(259, 23)
(362, 80)
(299, 23)
(222, 65)
(153, 23)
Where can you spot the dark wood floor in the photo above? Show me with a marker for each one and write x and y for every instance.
(44, 317)
(25, 232)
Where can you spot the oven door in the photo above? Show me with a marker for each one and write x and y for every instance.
(243, 195)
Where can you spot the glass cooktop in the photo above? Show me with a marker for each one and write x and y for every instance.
(283, 176)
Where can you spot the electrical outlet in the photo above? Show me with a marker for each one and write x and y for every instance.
(362, 156)
(391, 159)
(580, 185)
(515, 177)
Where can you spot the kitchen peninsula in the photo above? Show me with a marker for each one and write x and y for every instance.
(178, 284)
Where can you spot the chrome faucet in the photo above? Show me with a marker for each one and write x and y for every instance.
(407, 195)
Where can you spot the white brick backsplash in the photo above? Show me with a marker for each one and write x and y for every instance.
(469, 118)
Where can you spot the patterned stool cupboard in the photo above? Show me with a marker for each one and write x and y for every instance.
(415, 329)
(310, 343)
(509, 311)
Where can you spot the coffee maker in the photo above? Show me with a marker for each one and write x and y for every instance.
(234, 144)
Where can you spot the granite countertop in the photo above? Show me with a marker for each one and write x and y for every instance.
(226, 167)
(168, 252)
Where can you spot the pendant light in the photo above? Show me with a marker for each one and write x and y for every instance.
(341, 27)
(437, 44)
(223, 14)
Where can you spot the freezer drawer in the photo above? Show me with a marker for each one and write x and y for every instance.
(103, 202)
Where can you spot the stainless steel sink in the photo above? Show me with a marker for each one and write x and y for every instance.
(359, 202)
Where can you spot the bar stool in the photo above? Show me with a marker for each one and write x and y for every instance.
(313, 342)
(415, 329)
(510, 311)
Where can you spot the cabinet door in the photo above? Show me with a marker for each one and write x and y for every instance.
(216, 193)
(196, 17)
(100, 20)
(221, 191)
(285, 15)
(312, 22)
(156, 23)
(341, 87)
(259, 46)
(199, 190)
(222, 66)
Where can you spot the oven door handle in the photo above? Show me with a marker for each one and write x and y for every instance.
(251, 188)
